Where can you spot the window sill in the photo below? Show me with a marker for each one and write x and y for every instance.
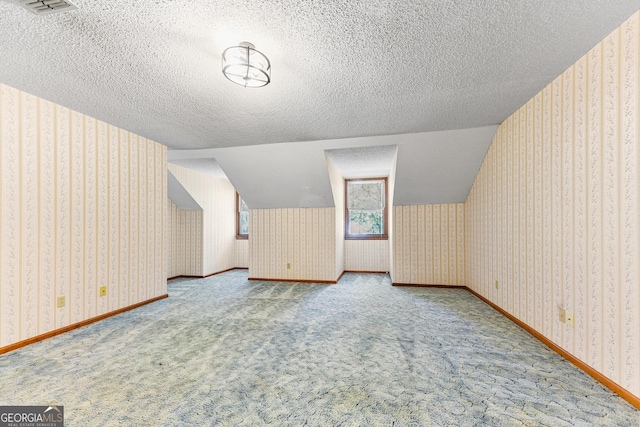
(366, 237)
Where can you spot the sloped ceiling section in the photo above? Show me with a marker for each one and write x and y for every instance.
(288, 175)
(179, 195)
(205, 166)
(440, 167)
(432, 167)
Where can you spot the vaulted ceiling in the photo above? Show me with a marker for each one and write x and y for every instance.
(342, 69)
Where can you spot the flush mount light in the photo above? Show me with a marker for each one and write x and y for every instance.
(244, 65)
(46, 7)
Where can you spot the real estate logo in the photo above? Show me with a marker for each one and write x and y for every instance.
(31, 416)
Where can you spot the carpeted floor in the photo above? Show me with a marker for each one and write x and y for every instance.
(228, 351)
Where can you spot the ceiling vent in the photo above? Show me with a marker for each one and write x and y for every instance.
(46, 7)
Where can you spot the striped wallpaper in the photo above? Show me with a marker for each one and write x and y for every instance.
(366, 255)
(185, 242)
(554, 212)
(217, 198)
(303, 237)
(242, 253)
(82, 205)
(429, 244)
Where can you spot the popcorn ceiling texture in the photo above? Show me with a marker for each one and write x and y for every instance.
(341, 69)
(363, 162)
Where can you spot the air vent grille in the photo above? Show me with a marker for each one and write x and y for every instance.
(46, 7)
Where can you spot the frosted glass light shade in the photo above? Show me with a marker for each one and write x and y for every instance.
(246, 66)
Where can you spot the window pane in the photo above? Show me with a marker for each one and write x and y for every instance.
(366, 195)
(366, 209)
(243, 206)
(244, 222)
(365, 221)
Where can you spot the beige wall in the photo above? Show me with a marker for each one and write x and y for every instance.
(82, 205)
(366, 255)
(185, 254)
(303, 237)
(553, 214)
(242, 252)
(429, 244)
(217, 198)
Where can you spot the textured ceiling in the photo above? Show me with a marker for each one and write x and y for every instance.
(363, 162)
(343, 68)
(433, 78)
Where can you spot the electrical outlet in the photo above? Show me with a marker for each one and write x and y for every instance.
(103, 291)
(61, 301)
(562, 315)
(569, 317)
(496, 284)
(288, 266)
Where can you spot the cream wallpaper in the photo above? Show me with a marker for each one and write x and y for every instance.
(366, 255)
(82, 205)
(302, 237)
(429, 244)
(242, 253)
(217, 198)
(553, 214)
(185, 242)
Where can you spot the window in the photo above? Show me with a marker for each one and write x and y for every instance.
(242, 218)
(366, 209)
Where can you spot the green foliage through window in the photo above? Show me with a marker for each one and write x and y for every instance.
(244, 222)
(365, 222)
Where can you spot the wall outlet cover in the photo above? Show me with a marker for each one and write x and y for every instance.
(103, 291)
(569, 318)
(61, 301)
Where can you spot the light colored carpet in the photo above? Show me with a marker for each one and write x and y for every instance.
(228, 351)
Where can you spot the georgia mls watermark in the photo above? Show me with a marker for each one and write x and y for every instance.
(31, 416)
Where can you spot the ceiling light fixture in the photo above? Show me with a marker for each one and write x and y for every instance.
(46, 7)
(246, 66)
